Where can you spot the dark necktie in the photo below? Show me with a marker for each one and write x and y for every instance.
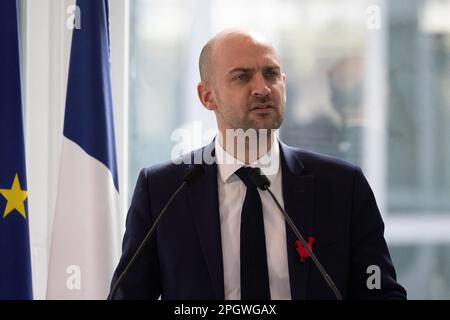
(254, 273)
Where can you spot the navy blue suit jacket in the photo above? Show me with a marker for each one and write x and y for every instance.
(326, 198)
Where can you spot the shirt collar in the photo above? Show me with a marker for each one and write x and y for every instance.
(227, 164)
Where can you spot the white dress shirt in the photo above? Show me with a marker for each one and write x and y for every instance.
(231, 198)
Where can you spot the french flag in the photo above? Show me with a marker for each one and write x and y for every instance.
(85, 243)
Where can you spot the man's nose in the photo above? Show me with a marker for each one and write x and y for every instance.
(260, 87)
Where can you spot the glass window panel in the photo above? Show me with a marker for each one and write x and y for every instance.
(377, 98)
(419, 107)
(423, 270)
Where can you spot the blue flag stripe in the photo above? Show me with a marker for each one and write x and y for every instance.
(88, 117)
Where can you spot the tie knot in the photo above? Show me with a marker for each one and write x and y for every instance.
(243, 174)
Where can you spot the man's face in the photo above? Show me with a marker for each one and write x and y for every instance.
(247, 86)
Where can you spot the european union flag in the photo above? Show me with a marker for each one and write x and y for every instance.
(15, 264)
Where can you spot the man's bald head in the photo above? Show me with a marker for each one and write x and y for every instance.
(207, 55)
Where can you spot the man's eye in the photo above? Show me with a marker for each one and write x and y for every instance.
(242, 77)
(272, 75)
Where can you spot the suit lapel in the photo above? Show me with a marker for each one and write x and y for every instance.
(298, 195)
(204, 205)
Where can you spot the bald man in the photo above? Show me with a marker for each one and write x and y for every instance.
(222, 238)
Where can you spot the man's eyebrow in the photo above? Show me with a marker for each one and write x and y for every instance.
(243, 69)
(277, 68)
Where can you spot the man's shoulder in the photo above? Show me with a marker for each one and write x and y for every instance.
(172, 169)
(315, 162)
(166, 171)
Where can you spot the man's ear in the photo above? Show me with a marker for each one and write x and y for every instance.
(206, 95)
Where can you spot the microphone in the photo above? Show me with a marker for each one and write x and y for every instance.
(263, 183)
(188, 179)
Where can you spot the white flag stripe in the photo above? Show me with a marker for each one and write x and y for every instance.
(85, 245)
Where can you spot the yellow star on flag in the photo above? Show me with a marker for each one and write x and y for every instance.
(15, 198)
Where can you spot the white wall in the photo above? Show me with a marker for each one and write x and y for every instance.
(46, 57)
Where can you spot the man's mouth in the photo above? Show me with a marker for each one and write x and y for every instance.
(261, 107)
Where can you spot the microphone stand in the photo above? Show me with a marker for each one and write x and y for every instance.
(188, 178)
(261, 181)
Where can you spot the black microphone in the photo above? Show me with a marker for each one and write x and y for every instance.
(263, 183)
(190, 176)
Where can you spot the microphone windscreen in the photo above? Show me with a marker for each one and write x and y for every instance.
(259, 179)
